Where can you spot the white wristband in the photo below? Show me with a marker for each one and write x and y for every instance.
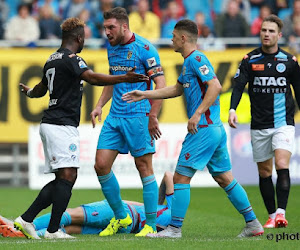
(231, 111)
(29, 93)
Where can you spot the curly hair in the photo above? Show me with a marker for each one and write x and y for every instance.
(72, 27)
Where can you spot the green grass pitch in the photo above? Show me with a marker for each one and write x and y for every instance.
(211, 223)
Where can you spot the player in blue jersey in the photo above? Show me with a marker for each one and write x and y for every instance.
(270, 72)
(63, 76)
(128, 127)
(205, 143)
(92, 218)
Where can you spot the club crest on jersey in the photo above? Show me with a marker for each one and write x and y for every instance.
(72, 147)
(280, 67)
(198, 58)
(129, 55)
(183, 70)
(204, 70)
(151, 62)
(82, 65)
(187, 156)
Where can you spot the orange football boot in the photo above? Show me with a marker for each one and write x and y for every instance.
(270, 223)
(9, 231)
(280, 221)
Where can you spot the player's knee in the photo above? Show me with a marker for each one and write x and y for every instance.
(145, 170)
(264, 173)
(101, 167)
(281, 164)
(69, 174)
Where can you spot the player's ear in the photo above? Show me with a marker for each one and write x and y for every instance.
(79, 38)
(125, 26)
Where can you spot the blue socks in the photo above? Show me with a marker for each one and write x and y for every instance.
(150, 196)
(43, 221)
(239, 199)
(111, 191)
(180, 204)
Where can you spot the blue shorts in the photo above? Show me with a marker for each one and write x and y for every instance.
(208, 148)
(126, 134)
(97, 216)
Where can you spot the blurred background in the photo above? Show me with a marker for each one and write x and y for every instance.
(30, 32)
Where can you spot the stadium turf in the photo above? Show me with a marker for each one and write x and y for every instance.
(211, 223)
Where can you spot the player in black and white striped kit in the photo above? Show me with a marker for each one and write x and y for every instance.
(270, 72)
(63, 77)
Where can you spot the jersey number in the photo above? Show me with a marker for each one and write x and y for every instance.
(50, 77)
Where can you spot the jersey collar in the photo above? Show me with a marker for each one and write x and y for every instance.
(131, 40)
(190, 54)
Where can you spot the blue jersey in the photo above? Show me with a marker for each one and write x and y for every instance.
(139, 53)
(163, 214)
(196, 72)
(97, 216)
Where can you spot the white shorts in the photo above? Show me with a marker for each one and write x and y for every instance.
(61, 146)
(266, 141)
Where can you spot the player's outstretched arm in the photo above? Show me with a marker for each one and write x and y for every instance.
(166, 187)
(103, 80)
(39, 90)
(164, 93)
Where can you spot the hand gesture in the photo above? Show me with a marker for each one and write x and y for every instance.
(24, 88)
(133, 96)
(133, 77)
(232, 120)
(193, 123)
(96, 112)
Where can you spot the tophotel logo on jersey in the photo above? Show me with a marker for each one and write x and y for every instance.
(269, 84)
(120, 68)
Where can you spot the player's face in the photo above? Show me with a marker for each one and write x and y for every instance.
(269, 34)
(114, 31)
(177, 41)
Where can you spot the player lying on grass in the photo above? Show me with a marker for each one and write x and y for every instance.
(92, 218)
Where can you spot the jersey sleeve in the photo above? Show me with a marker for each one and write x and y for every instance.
(295, 80)
(44, 79)
(241, 78)
(202, 68)
(78, 65)
(151, 61)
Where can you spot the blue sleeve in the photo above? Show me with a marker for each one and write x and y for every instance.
(180, 79)
(202, 68)
(151, 61)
